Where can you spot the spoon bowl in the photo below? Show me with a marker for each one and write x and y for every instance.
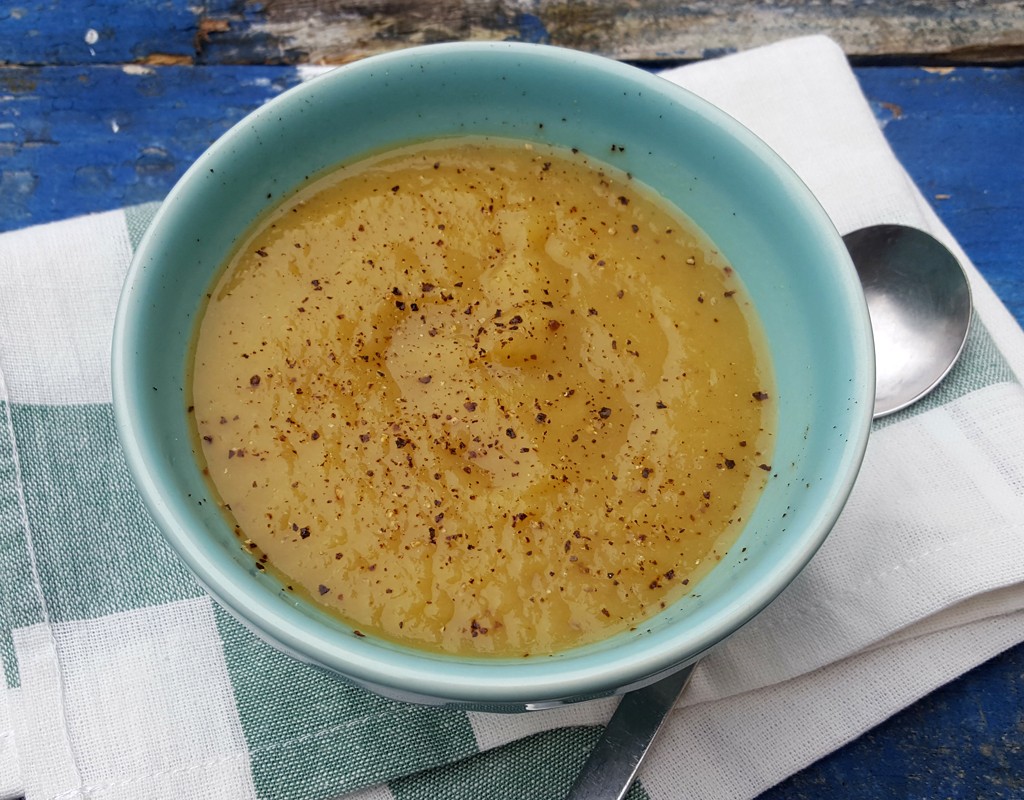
(919, 302)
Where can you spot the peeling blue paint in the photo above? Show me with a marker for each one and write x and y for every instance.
(42, 32)
(118, 136)
(531, 29)
(884, 112)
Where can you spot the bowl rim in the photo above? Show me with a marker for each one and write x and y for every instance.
(441, 678)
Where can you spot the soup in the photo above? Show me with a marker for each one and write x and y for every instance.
(483, 396)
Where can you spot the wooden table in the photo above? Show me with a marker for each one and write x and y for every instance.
(104, 104)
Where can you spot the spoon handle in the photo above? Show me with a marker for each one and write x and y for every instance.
(615, 759)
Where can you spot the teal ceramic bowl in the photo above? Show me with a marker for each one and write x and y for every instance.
(765, 221)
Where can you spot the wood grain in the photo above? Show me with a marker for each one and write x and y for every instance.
(332, 31)
(79, 139)
(289, 32)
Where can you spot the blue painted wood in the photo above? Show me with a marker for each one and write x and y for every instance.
(96, 32)
(76, 139)
(960, 134)
(44, 32)
(965, 741)
(80, 139)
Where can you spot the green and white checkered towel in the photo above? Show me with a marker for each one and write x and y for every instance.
(123, 679)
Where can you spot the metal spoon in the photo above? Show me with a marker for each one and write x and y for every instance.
(920, 306)
(919, 302)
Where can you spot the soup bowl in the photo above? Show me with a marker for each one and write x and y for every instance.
(747, 201)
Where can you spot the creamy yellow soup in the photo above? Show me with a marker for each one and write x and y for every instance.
(483, 397)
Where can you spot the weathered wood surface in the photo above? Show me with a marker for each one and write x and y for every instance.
(337, 31)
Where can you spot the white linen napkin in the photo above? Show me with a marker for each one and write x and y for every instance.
(130, 683)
